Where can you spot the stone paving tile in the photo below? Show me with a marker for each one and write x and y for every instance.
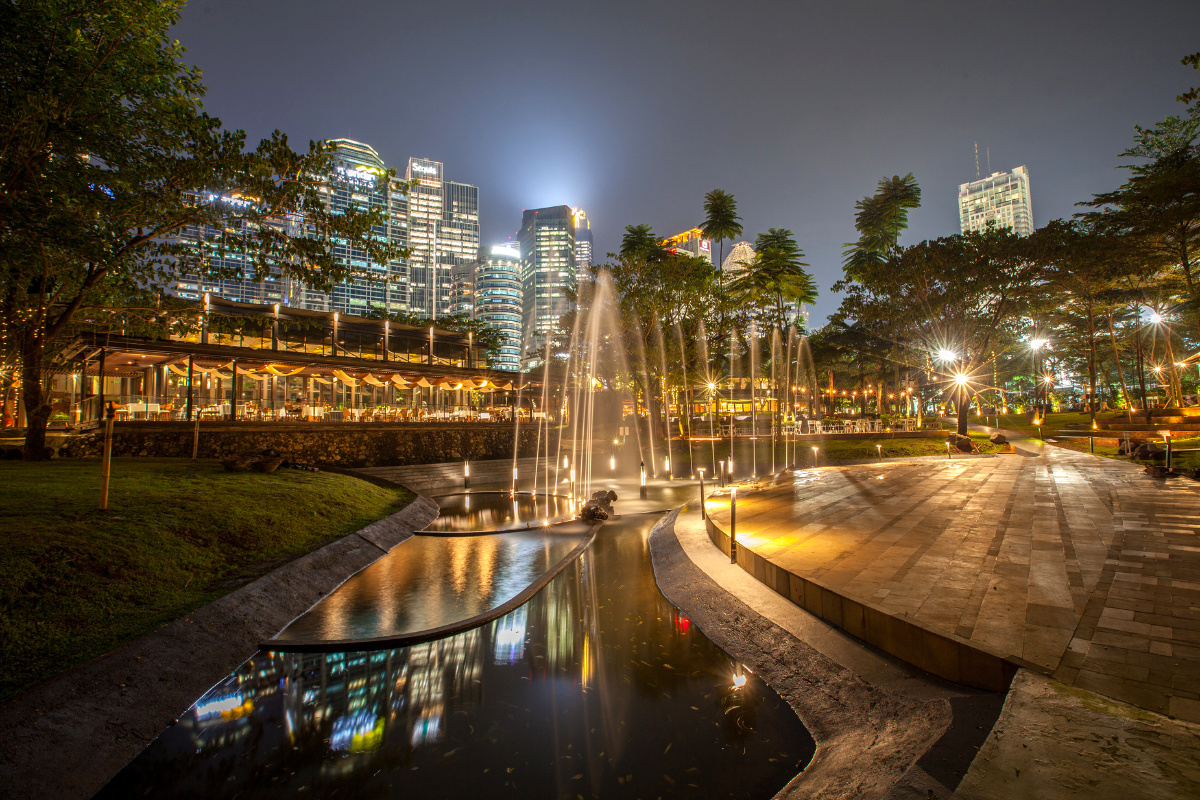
(1081, 566)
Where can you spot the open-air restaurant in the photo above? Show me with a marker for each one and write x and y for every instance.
(267, 364)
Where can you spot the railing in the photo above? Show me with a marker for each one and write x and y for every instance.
(174, 408)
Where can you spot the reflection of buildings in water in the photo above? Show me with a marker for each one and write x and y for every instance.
(357, 705)
(222, 716)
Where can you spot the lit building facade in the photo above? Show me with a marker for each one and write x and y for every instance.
(438, 220)
(498, 300)
(443, 220)
(690, 243)
(547, 243)
(1001, 200)
(583, 241)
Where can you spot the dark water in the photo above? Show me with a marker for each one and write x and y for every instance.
(497, 511)
(431, 581)
(597, 687)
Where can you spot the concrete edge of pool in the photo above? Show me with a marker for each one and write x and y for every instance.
(880, 726)
(417, 637)
(102, 714)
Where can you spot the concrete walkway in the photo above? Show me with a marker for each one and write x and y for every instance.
(1077, 567)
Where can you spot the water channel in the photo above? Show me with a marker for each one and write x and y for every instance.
(595, 687)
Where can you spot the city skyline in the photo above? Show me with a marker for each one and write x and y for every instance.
(798, 120)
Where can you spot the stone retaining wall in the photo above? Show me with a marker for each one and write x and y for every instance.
(347, 444)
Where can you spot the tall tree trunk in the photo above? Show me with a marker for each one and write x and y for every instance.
(1172, 370)
(963, 400)
(1092, 363)
(1112, 337)
(37, 410)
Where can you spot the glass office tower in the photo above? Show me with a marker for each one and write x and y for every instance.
(438, 220)
(547, 269)
(498, 300)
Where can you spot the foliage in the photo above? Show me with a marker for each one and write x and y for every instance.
(721, 220)
(107, 154)
(777, 278)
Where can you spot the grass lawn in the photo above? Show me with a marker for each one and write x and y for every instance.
(1054, 422)
(76, 582)
(834, 450)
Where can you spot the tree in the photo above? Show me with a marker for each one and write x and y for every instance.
(962, 294)
(776, 278)
(639, 241)
(721, 220)
(106, 154)
(880, 220)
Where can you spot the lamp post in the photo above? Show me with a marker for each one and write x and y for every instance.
(701, 471)
(879, 449)
(466, 474)
(721, 474)
(642, 468)
(814, 456)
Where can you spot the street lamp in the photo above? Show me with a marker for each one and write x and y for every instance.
(701, 471)
(814, 456)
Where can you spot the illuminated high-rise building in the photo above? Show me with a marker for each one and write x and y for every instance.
(1001, 200)
(498, 300)
(443, 232)
(583, 240)
(438, 220)
(692, 243)
(547, 271)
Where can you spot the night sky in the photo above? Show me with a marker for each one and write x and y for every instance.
(634, 110)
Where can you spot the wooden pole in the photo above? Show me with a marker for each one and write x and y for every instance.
(106, 460)
(195, 437)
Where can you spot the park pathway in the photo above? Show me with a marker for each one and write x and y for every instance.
(1076, 566)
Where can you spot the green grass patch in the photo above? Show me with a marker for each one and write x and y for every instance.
(76, 582)
(1053, 423)
(833, 450)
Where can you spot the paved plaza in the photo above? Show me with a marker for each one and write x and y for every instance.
(1074, 566)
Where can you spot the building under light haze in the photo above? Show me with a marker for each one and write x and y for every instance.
(547, 241)
(443, 233)
(438, 220)
(498, 301)
(740, 255)
(583, 241)
(692, 243)
(1001, 199)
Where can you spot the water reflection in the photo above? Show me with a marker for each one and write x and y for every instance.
(595, 687)
(431, 581)
(497, 511)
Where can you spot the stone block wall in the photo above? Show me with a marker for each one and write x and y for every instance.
(344, 445)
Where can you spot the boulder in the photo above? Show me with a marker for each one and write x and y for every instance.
(1149, 451)
(961, 443)
(998, 438)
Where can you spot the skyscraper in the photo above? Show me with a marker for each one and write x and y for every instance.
(498, 301)
(443, 224)
(1001, 199)
(547, 271)
(438, 220)
(583, 240)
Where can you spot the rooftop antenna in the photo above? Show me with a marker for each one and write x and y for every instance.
(989, 159)
(977, 161)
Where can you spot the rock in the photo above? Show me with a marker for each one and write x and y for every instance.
(1149, 451)
(998, 438)
(961, 443)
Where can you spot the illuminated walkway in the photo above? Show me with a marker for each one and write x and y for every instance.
(1072, 565)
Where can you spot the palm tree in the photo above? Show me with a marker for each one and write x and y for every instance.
(776, 276)
(639, 242)
(880, 220)
(721, 221)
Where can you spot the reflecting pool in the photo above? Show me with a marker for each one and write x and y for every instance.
(431, 581)
(497, 511)
(596, 687)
